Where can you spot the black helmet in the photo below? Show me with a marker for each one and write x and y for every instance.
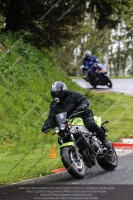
(58, 89)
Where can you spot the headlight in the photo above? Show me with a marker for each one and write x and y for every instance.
(62, 127)
(56, 130)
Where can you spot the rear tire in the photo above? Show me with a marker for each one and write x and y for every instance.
(110, 161)
(74, 168)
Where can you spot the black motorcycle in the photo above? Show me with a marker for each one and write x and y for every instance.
(95, 80)
(79, 148)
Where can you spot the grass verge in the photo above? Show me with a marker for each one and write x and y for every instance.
(30, 157)
(26, 76)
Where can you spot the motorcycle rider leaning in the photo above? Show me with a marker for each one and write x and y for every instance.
(88, 63)
(70, 101)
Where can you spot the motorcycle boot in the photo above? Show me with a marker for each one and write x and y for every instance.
(107, 144)
(84, 77)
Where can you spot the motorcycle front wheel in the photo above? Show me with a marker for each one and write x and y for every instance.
(75, 168)
(93, 84)
(109, 160)
(108, 82)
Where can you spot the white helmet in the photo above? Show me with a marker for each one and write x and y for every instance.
(88, 54)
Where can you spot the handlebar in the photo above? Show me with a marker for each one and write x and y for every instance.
(107, 121)
(76, 113)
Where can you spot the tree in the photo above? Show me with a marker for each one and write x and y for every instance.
(110, 13)
(47, 23)
(51, 22)
(89, 38)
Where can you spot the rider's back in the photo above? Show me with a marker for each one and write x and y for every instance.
(89, 63)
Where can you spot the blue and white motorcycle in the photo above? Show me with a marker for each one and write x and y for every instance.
(96, 79)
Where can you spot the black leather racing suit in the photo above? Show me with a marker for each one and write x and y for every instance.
(69, 104)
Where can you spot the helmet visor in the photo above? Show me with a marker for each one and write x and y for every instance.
(56, 94)
(88, 56)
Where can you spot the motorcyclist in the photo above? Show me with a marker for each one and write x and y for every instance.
(88, 62)
(68, 101)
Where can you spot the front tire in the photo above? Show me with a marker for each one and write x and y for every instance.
(110, 160)
(93, 84)
(108, 82)
(74, 168)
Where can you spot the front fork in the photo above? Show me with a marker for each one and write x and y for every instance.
(76, 151)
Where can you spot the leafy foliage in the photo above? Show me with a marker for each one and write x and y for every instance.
(89, 37)
(49, 23)
(110, 13)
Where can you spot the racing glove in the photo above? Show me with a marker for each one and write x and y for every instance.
(82, 108)
(46, 128)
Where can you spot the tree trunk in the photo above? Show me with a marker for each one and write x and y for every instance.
(13, 16)
(109, 54)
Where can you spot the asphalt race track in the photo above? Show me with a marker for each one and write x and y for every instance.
(124, 86)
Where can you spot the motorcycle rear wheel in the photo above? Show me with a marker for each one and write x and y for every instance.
(74, 168)
(110, 160)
